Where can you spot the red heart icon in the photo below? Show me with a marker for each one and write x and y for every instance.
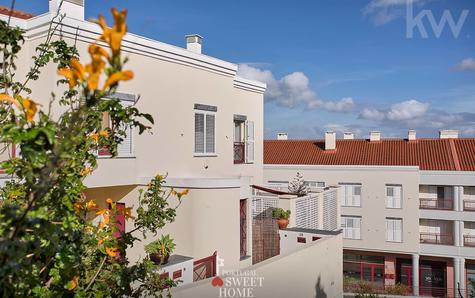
(217, 282)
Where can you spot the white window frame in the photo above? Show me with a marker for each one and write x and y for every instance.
(315, 184)
(394, 202)
(351, 232)
(395, 233)
(208, 154)
(355, 200)
(131, 129)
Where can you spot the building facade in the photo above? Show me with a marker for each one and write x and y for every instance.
(207, 136)
(406, 205)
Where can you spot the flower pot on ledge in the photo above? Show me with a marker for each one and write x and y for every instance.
(283, 223)
(158, 259)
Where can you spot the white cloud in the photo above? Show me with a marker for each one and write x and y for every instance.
(403, 111)
(345, 104)
(372, 114)
(384, 11)
(467, 64)
(293, 90)
(407, 110)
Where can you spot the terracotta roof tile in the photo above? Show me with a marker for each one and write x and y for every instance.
(16, 13)
(428, 154)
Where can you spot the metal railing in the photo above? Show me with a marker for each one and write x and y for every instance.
(434, 238)
(435, 203)
(469, 205)
(239, 152)
(469, 240)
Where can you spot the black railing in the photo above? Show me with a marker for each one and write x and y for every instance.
(239, 152)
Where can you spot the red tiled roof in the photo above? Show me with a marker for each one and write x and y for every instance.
(428, 154)
(16, 13)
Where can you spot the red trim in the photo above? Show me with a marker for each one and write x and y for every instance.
(270, 190)
(177, 274)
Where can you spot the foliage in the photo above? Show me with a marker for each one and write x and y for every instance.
(298, 186)
(163, 246)
(398, 289)
(280, 213)
(49, 246)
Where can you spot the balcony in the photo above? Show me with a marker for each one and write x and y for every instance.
(469, 240)
(434, 238)
(436, 204)
(469, 205)
(239, 152)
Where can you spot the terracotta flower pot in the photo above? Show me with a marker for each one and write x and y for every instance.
(283, 223)
(157, 258)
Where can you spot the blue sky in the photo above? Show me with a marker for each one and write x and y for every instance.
(343, 65)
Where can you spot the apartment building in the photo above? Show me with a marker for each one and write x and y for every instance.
(407, 205)
(207, 137)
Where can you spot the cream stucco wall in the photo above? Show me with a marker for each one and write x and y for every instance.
(311, 271)
(373, 200)
(206, 221)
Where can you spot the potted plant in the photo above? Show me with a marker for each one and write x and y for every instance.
(160, 250)
(282, 217)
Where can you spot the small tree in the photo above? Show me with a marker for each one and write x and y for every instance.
(298, 186)
(49, 246)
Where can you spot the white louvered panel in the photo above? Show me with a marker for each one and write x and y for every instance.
(330, 211)
(125, 148)
(263, 206)
(306, 210)
(210, 134)
(199, 133)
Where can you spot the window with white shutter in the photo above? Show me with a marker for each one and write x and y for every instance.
(126, 147)
(393, 196)
(394, 229)
(350, 194)
(351, 226)
(205, 133)
(249, 146)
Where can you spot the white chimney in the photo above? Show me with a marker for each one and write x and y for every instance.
(72, 8)
(411, 135)
(375, 136)
(449, 134)
(282, 136)
(348, 136)
(193, 43)
(330, 140)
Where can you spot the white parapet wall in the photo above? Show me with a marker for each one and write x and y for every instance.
(312, 270)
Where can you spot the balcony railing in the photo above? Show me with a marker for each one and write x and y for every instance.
(438, 204)
(469, 240)
(239, 152)
(434, 238)
(469, 205)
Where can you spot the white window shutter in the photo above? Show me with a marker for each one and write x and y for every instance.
(397, 197)
(210, 133)
(249, 147)
(357, 195)
(125, 148)
(199, 133)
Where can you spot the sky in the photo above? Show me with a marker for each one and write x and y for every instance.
(341, 65)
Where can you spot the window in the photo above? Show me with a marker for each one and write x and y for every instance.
(351, 227)
(350, 194)
(125, 148)
(205, 133)
(239, 140)
(243, 227)
(394, 229)
(315, 184)
(249, 141)
(393, 196)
